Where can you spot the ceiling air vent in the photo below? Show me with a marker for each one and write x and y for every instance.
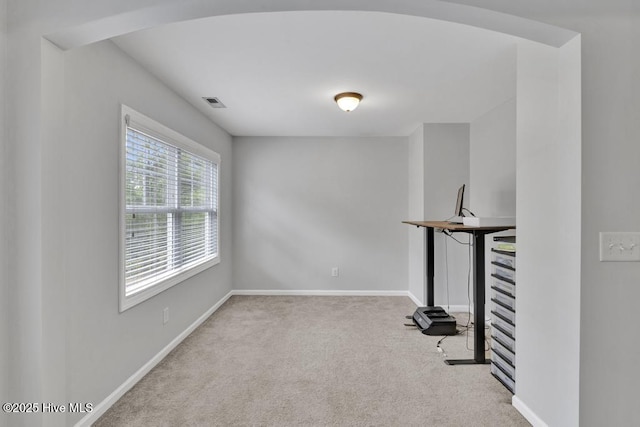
(214, 102)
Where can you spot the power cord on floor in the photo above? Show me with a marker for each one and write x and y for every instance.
(458, 332)
(440, 349)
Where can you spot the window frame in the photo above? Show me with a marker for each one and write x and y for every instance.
(175, 139)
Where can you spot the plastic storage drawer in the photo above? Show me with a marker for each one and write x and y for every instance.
(505, 313)
(503, 378)
(506, 340)
(505, 326)
(502, 298)
(504, 273)
(503, 259)
(506, 287)
(503, 351)
(503, 365)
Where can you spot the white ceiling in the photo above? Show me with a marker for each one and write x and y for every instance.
(277, 73)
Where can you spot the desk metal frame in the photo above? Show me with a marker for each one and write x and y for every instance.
(477, 234)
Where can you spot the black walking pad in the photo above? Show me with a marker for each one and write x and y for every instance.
(434, 321)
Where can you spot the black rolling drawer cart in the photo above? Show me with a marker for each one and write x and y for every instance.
(503, 312)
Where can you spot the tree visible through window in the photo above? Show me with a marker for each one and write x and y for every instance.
(170, 207)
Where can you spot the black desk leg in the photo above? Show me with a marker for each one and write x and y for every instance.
(430, 266)
(478, 305)
(479, 297)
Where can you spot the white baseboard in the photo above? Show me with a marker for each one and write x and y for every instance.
(450, 308)
(458, 308)
(415, 299)
(287, 292)
(103, 406)
(527, 412)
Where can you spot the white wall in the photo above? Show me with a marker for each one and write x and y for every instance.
(56, 225)
(446, 168)
(305, 205)
(609, 373)
(4, 217)
(493, 162)
(548, 172)
(417, 266)
(23, 233)
(80, 203)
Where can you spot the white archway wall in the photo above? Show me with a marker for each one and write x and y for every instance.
(24, 259)
(4, 217)
(548, 170)
(29, 22)
(132, 18)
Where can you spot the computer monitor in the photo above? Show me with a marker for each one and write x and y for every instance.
(458, 211)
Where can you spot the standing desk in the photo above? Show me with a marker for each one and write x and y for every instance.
(477, 234)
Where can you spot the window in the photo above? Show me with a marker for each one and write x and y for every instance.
(168, 208)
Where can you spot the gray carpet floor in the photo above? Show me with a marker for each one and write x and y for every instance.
(315, 361)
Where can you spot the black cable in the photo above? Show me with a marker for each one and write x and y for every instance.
(441, 339)
(440, 349)
(450, 235)
(465, 209)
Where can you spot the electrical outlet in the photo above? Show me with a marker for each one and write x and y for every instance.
(335, 272)
(165, 315)
(620, 246)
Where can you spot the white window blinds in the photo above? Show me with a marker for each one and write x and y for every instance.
(171, 207)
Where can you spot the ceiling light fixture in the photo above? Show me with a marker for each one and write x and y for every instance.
(348, 101)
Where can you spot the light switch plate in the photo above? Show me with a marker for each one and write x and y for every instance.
(620, 246)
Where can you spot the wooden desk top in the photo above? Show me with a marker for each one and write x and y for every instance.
(444, 225)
